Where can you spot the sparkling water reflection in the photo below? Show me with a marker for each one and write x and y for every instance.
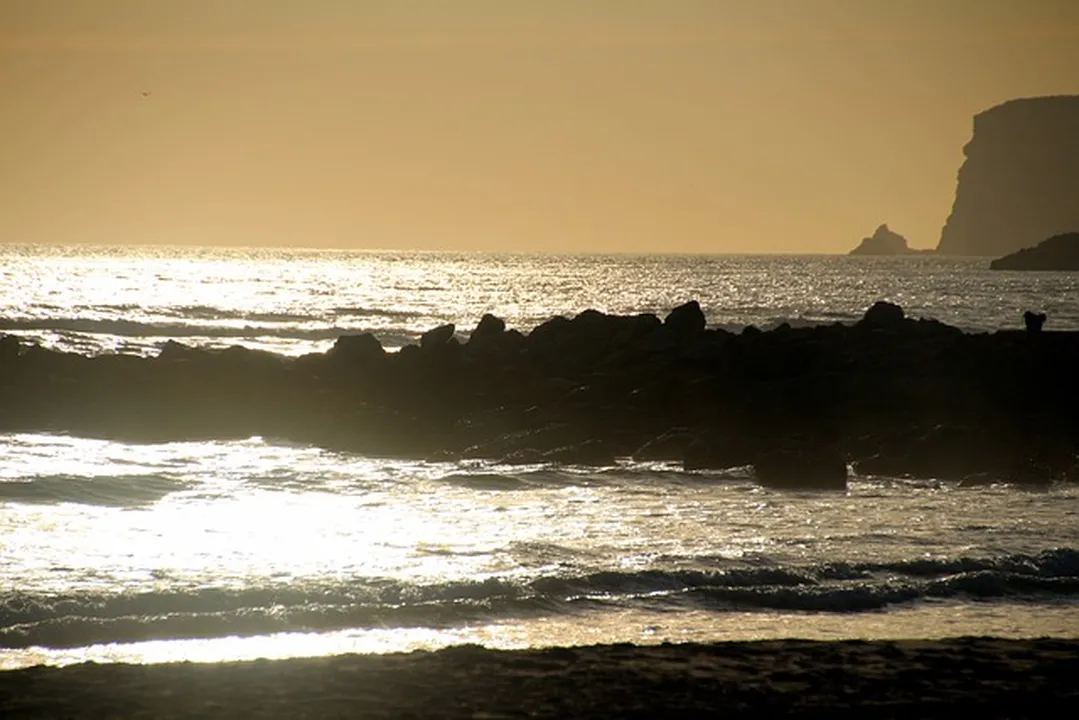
(296, 301)
(267, 539)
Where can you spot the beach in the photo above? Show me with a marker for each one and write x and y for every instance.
(915, 678)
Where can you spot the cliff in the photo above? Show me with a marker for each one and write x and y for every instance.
(1060, 252)
(1020, 181)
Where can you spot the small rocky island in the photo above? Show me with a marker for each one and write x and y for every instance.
(1060, 252)
(885, 242)
(889, 394)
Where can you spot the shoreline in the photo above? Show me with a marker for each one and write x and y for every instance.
(907, 678)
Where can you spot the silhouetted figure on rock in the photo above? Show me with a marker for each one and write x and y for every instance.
(1033, 321)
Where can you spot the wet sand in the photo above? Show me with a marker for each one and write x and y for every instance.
(995, 678)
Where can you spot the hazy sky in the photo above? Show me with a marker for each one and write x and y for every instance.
(620, 125)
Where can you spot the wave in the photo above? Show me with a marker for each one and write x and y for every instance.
(86, 617)
(378, 312)
(198, 321)
(771, 323)
(551, 476)
(106, 490)
(137, 490)
(209, 312)
(486, 481)
(138, 329)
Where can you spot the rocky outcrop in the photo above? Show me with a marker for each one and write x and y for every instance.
(890, 394)
(812, 467)
(1034, 322)
(884, 242)
(1019, 182)
(1060, 252)
(883, 314)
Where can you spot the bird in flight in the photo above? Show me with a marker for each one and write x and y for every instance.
(146, 93)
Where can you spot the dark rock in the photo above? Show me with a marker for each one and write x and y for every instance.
(686, 320)
(883, 314)
(1058, 253)
(904, 398)
(981, 479)
(595, 453)
(524, 456)
(964, 453)
(719, 450)
(536, 441)
(589, 342)
(808, 467)
(240, 358)
(1033, 321)
(489, 329)
(9, 348)
(361, 349)
(173, 351)
(549, 329)
(409, 353)
(1017, 185)
(668, 446)
(437, 337)
(375, 430)
(589, 452)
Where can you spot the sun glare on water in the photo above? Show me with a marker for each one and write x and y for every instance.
(233, 550)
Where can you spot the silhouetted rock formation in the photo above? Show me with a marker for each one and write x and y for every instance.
(686, 320)
(883, 314)
(1033, 322)
(885, 242)
(1018, 184)
(809, 467)
(890, 394)
(1060, 252)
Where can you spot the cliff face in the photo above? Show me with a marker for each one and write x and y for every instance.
(1020, 181)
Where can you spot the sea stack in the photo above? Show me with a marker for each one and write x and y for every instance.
(1018, 183)
(883, 242)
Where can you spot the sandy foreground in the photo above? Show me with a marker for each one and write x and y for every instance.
(996, 678)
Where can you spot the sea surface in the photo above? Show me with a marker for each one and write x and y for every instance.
(113, 551)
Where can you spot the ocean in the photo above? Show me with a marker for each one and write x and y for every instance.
(221, 550)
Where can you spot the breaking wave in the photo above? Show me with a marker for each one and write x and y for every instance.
(85, 617)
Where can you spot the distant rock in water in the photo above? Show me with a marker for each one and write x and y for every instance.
(1018, 183)
(884, 242)
(1060, 252)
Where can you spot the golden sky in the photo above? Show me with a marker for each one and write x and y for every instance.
(555, 125)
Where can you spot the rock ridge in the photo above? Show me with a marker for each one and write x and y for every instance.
(888, 395)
